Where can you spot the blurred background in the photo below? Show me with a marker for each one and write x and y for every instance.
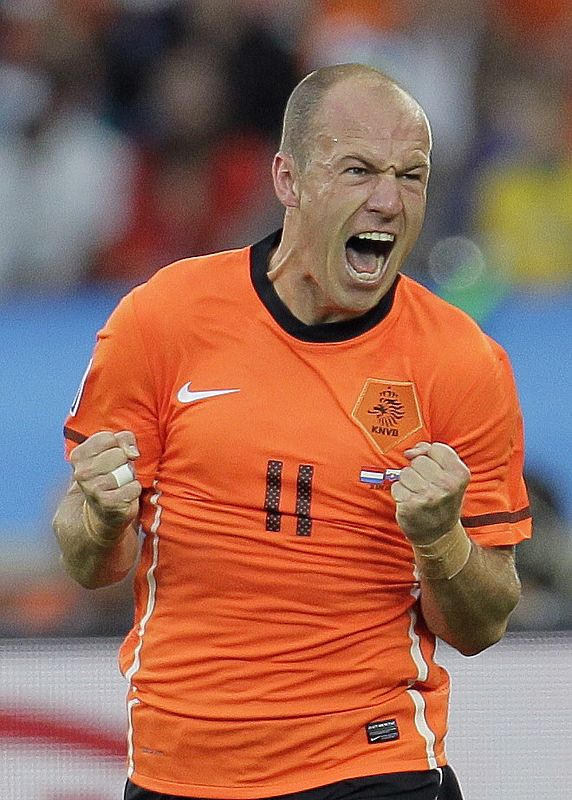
(136, 132)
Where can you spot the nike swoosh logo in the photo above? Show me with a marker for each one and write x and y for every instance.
(184, 395)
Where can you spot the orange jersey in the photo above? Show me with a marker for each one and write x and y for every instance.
(278, 642)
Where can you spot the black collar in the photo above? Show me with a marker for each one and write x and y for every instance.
(324, 331)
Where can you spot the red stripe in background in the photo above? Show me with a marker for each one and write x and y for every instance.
(54, 730)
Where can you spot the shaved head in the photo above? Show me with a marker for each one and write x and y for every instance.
(305, 101)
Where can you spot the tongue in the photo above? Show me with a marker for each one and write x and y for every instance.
(361, 260)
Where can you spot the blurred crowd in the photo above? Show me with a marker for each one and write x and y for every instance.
(136, 132)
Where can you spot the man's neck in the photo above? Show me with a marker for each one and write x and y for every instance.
(299, 292)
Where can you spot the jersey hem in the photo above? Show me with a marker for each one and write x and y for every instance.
(211, 792)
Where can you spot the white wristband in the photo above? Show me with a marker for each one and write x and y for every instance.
(445, 557)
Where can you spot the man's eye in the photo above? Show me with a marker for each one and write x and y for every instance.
(356, 171)
(412, 176)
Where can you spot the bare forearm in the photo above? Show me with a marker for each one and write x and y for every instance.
(471, 610)
(467, 592)
(89, 562)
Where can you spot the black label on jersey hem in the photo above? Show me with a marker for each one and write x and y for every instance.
(384, 730)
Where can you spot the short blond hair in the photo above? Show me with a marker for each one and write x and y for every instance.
(305, 100)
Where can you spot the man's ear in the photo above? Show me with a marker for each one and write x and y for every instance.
(285, 177)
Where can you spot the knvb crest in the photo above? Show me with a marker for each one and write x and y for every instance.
(387, 412)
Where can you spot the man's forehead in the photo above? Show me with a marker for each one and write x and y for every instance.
(370, 116)
(373, 142)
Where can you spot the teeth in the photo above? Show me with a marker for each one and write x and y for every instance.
(376, 236)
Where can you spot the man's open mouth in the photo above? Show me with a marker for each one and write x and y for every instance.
(366, 253)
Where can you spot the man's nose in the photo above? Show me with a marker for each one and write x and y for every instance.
(385, 198)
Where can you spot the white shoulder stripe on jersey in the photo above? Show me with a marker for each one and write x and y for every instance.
(78, 394)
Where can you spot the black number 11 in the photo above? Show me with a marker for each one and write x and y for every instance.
(303, 497)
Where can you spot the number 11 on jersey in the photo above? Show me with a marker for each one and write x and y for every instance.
(303, 497)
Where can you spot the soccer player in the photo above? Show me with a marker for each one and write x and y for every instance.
(323, 461)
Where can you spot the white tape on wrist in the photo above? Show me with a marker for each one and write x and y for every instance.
(122, 475)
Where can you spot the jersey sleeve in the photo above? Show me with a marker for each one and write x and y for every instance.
(118, 391)
(486, 430)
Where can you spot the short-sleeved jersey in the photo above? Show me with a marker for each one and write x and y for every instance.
(278, 642)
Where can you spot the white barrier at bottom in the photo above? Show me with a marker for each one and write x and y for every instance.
(62, 719)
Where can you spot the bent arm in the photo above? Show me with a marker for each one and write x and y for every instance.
(467, 591)
(92, 562)
(470, 611)
(95, 522)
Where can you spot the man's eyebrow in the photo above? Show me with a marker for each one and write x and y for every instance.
(371, 165)
(418, 165)
(362, 159)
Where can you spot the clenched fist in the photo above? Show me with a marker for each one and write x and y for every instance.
(111, 506)
(429, 493)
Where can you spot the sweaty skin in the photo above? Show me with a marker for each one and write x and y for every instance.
(368, 171)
